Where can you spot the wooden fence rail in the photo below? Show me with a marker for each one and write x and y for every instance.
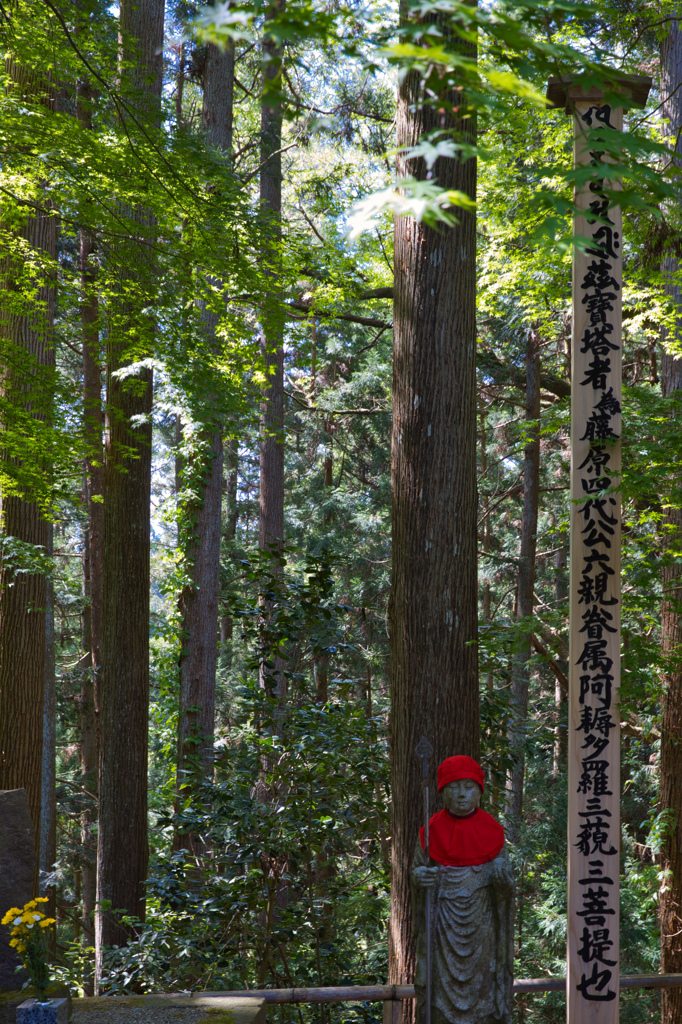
(394, 993)
(249, 1005)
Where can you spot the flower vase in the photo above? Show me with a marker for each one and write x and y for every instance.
(51, 1011)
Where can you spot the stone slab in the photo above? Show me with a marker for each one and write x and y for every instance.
(17, 868)
(54, 1011)
(178, 1008)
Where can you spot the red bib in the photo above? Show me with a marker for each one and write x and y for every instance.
(460, 842)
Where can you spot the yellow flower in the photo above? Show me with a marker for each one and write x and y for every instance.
(22, 921)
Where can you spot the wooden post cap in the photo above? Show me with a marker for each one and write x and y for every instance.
(634, 90)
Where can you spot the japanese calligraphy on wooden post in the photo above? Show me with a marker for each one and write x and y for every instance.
(592, 980)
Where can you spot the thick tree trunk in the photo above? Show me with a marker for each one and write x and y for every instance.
(218, 99)
(671, 615)
(526, 586)
(199, 601)
(124, 693)
(122, 854)
(23, 596)
(434, 597)
(23, 600)
(199, 608)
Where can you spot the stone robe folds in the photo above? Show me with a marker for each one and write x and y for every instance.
(471, 942)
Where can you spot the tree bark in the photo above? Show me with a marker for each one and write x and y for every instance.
(218, 98)
(670, 906)
(23, 596)
(199, 600)
(489, 682)
(328, 429)
(230, 531)
(321, 674)
(526, 586)
(124, 691)
(93, 581)
(271, 509)
(93, 425)
(199, 608)
(271, 529)
(434, 596)
(48, 808)
(560, 694)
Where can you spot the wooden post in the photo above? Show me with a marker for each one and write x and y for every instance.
(593, 968)
(393, 1011)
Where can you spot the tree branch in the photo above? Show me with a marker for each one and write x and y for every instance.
(506, 373)
(364, 321)
(556, 668)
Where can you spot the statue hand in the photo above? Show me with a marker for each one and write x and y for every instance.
(503, 879)
(425, 878)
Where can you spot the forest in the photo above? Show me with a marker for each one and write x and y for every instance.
(285, 329)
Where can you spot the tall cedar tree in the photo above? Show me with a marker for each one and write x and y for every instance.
(122, 853)
(434, 596)
(671, 613)
(231, 463)
(526, 582)
(93, 427)
(199, 601)
(48, 801)
(272, 410)
(23, 596)
(271, 510)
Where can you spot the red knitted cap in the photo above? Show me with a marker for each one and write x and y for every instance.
(459, 767)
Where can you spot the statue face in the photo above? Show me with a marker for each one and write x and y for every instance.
(462, 797)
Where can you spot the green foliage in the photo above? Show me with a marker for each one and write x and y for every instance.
(287, 876)
(276, 870)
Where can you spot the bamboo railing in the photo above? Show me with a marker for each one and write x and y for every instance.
(394, 993)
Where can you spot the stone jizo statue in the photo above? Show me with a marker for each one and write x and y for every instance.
(472, 886)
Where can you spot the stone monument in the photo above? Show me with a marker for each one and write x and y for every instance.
(17, 868)
(468, 873)
(594, 786)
